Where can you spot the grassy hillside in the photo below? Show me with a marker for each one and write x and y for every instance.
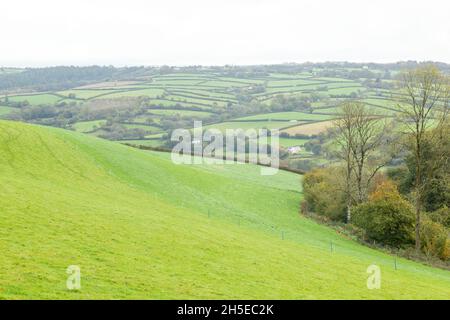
(141, 227)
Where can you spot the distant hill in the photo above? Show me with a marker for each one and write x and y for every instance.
(140, 226)
(61, 77)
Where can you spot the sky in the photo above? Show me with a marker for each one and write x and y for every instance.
(218, 32)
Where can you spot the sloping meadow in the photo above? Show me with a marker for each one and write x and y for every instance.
(139, 226)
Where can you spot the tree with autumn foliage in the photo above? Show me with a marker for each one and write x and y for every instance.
(386, 217)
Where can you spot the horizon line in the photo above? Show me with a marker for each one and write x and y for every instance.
(218, 65)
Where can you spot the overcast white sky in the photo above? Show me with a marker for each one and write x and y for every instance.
(217, 32)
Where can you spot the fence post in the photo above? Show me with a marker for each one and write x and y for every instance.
(331, 246)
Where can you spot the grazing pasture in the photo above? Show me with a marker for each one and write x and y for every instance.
(150, 92)
(181, 113)
(127, 218)
(245, 125)
(286, 116)
(5, 110)
(309, 128)
(83, 94)
(109, 85)
(142, 142)
(145, 127)
(300, 102)
(88, 126)
(36, 99)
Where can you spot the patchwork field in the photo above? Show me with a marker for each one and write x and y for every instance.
(208, 86)
(163, 102)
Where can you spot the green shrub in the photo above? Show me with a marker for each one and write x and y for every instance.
(434, 239)
(322, 195)
(386, 218)
(446, 254)
(441, 216)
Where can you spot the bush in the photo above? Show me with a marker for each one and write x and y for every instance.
(441, 216)
(437, 194)
(322, 195)
(446, 254)
(386, 218)
(434, 239)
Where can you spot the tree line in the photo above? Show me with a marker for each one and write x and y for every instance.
(400, 204)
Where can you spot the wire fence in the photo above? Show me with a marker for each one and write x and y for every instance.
(326, 245)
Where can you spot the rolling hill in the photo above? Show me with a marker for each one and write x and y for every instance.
(140, 226)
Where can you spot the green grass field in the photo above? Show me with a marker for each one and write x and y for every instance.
(329, 110)
(147, 143)
(137, 225)
(87, 126)
(172, 103)
(150, 92)
(288, 116)
(195, 101)
(214, 92)
(181, 113)
(85, 93)
(36, 99)
(291, 142)
(245, 125)
(5, 110)
(204, 93)
(148, 128)
(291, 83)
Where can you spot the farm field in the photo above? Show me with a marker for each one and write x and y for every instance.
(128, 217)
(87, 126)
(4, 110)
(292, 102)
(286, 116)
(245, 125)
(150, 92)
(211, 86)
(212, 152)
(291, 142)
(144, 119)
(327, 110)
(148, 128)
(142, 142)
(109, 85)
(84, 94)
(190, 96)
(284, 142)
(181, 113)
(310, 128)
(36, 99)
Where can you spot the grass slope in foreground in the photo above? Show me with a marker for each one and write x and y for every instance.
(138, 227)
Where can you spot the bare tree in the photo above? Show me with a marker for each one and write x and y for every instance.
(424, 103)
(371, 133)
(344, 138)
(360, 134)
